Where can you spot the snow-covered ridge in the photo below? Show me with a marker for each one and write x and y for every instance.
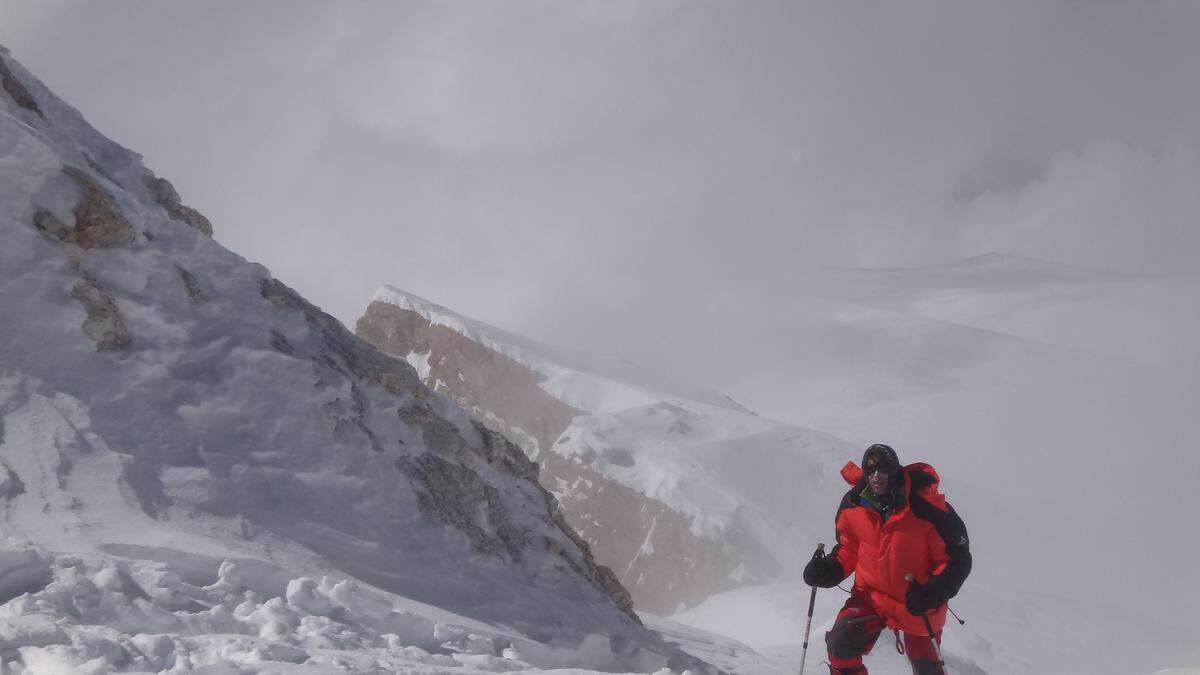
(666, 430)
(166, 405)
(657, 482)
(1136, 317)
(99, 614)
(582, 380)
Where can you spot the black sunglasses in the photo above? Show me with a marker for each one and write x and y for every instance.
(872, 467)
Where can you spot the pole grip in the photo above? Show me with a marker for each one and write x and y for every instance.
(812, 600)
(933, 638)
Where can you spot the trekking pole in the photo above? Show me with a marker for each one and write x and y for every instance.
(937, 647)
(812, 600)
(957, 618)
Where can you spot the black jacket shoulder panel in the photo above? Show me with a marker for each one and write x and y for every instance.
(953, 532)
(920, 480)
(849, 501)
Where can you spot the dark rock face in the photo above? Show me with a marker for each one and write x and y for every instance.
(334, 446)
(280, 342)
(618, 524)
(453, 494)
(436, 431)
(98, 220)
(354, 356)
(453, 489)
(47, 223)
(681, 569)
(10, 483)
(505, 455)
(103, 323)
(99, 223)
(167, 197)
(471, 374)
(16, 90)
(195, 293)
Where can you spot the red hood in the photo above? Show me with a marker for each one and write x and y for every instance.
(918, 475)
(852, 472)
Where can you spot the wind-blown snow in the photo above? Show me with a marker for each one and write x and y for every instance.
(582, 380)
(1007, 631)
(90, 614)
(694, 450)
(903, 345)
(213, 498)
(225, 489)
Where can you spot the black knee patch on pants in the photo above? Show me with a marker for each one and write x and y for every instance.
(926, 667)
(849, 638)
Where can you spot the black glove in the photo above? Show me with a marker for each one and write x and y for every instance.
(921, 598)
(823, 571)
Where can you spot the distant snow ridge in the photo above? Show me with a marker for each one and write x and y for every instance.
(166, 405)
(81, 614)
(580, 379)
(681, 491)
(88, 614)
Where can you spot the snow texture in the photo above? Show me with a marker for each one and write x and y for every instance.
(582, 380)
(912, 334)
(693, 450)
(219, 493)
(200, 470)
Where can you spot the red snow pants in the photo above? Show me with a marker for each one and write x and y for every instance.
(854, 633)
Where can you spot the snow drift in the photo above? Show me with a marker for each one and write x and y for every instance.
(186, 442)
(681, 491)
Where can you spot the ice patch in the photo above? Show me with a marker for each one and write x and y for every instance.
(420, 363)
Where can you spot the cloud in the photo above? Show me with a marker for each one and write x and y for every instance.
(535, 160)
(1112, 205)
(26, 23)
(673, 182)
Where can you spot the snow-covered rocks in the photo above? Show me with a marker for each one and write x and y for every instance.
(665, 481)
(99, 614)
(166, 405)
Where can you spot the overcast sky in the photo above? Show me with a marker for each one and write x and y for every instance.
(622, 175)
(670, 181)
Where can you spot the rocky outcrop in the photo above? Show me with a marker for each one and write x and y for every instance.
(167, 197)
(664, 564)
(191, 284)
(646, 546)
(504, 454)
(19, 93)
(471, 374)
(10, 483)
(353, 356)
(103, 323)
(453, 492)
(99, 222)
(252, 411)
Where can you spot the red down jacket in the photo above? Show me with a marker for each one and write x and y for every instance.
(923, 536)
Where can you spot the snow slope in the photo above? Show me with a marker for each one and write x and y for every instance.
(1007, 631)
(992, 369)
(199, 468)
(1058, 404)
(697, 451)
(1124, 316)
(722, 468)
(585, 381)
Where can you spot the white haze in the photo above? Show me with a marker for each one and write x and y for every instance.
(674, 182)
